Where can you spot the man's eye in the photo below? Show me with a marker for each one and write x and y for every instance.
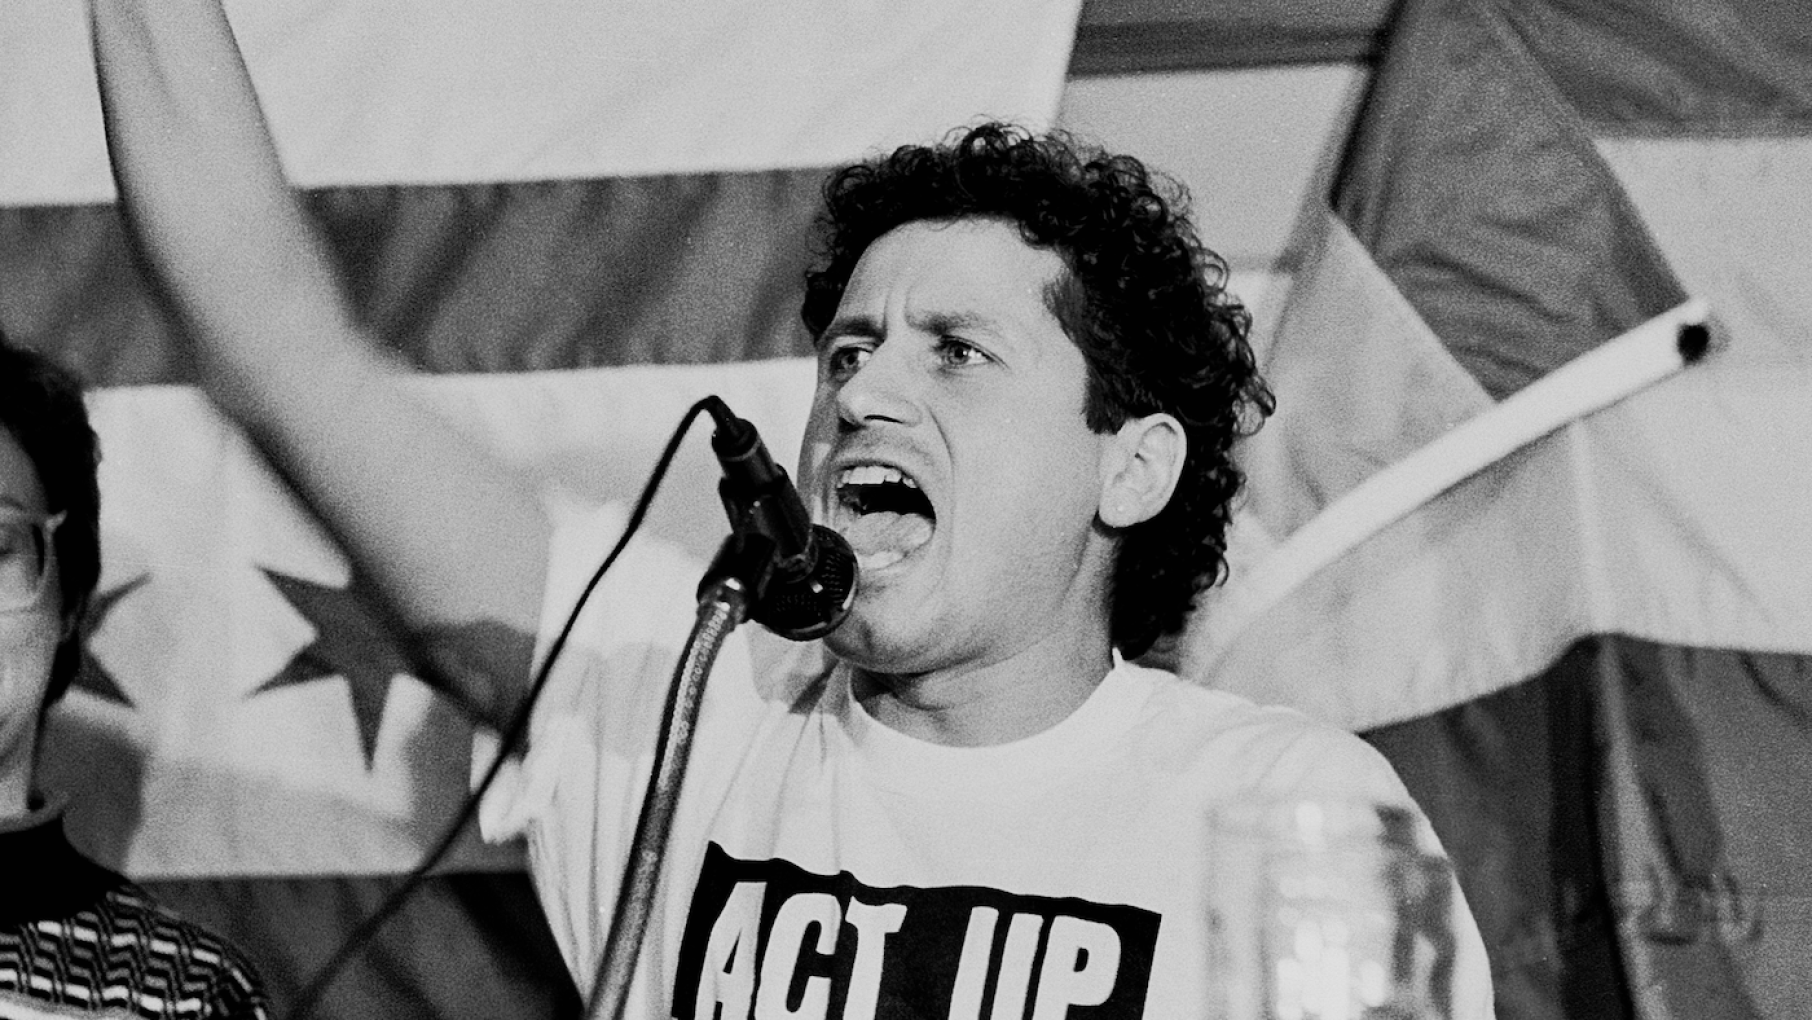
(959, 353)
(843, 362)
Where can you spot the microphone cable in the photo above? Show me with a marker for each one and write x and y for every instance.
(513, 735)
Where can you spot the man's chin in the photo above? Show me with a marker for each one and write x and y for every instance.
(855, 642)
(868, 644)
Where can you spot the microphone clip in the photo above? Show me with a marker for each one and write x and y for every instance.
(807, 582)
(745, 561)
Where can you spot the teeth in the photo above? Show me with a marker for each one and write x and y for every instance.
(874, 474)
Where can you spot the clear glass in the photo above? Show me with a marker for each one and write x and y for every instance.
(1329, 910)
(26, 554)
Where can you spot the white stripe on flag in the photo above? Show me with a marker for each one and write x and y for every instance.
(1589, 383)
(474, 91)
(213, 772)
(1660, 517)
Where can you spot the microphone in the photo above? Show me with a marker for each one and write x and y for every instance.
(813, 582)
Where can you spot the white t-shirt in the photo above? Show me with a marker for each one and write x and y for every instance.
(822, 864)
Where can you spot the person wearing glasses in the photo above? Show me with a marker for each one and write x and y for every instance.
(75, 938)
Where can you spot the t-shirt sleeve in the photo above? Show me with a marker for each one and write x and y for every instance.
(1315, 762)
(575, 792)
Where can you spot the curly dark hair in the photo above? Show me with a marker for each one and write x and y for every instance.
(41, 406)
(1143, 300)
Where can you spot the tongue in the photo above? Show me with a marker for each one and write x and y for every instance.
(888, 532)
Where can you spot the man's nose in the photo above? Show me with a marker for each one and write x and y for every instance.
(884, 389)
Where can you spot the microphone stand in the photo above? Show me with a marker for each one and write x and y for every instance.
(737, 579)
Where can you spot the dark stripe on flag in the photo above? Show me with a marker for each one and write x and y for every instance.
(1629, 829)
(1676, 68)
(680, 269)
(465, 947)
(1475, 187)
(1509, 783)
(1143, 36)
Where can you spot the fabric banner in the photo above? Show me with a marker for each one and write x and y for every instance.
(1142, 36)
(1530, 510)
(576, 219)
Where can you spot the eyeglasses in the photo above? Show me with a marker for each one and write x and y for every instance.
(26, 554)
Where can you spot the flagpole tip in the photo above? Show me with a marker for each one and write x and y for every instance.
(1694, 341)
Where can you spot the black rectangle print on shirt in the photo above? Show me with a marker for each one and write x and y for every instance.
(769, 939)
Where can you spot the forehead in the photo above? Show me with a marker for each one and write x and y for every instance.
(973, 269)
(19, 486)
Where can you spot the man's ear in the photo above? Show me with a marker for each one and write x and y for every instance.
(1140, 468)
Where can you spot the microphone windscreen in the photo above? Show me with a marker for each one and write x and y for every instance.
(812, 606)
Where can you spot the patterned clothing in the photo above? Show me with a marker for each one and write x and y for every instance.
(77, 940)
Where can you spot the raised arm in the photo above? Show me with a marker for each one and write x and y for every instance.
(453, 539)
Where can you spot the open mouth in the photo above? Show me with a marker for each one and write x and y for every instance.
(883, 513)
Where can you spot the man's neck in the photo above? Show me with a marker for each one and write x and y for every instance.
(984, 704)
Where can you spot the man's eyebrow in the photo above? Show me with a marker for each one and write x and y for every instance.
(850, 325)
(940, 323)
(937, 323)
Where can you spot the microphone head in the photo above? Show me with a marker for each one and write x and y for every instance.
(812, 606)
